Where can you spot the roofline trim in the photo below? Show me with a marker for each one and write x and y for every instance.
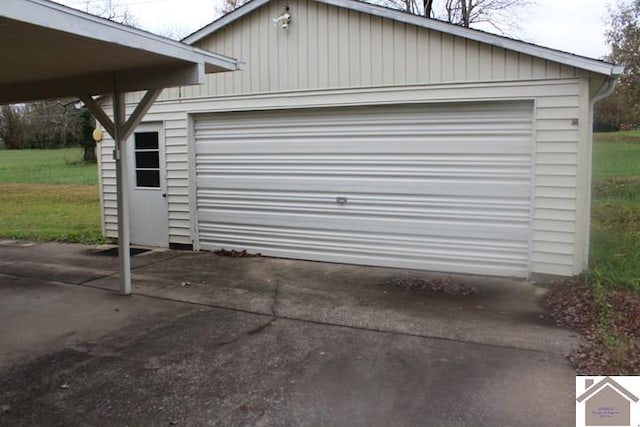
(69, 20)
(223, 21)
(550, 54)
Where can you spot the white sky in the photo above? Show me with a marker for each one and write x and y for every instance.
(575, 26)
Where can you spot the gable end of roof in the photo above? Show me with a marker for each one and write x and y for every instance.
(569, 59)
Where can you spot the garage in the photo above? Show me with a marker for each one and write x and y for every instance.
(443, 187)
(364, 135)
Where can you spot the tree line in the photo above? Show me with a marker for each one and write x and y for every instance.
(621, 111)
(48, 124)
(60, 123)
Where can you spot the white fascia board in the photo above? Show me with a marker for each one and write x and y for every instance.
(224, 21)
(531, 49)
(57, 17)
(570, 59)
(554, 55)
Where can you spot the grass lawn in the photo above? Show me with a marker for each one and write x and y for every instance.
(615, 215)
(49, 195)
(62, 166)
(604, 306)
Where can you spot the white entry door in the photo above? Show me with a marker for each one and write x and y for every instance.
(148, 189)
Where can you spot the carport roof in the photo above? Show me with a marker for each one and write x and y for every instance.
(50, 50)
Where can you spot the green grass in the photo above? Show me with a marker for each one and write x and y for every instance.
(615, 215)
(49, 195)
(62, 166)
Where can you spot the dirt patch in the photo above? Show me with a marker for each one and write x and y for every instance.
(235, 254)
(609, 327)
(444, 285)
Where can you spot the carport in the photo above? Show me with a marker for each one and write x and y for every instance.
(53, 51)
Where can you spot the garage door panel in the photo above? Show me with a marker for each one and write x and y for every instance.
(455, 255)
(364, 144)
(444, 187)
(377, 208)
(417, 225)
(482, 188)
(350, 238)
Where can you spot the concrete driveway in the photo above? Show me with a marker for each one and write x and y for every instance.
(211, 340)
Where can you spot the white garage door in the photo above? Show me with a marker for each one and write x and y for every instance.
(444, 188)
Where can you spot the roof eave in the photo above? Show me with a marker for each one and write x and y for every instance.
(223, 21)
(62, 18)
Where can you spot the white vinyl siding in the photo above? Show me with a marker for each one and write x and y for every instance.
(554, 236)
(555, 143)
(377, 63)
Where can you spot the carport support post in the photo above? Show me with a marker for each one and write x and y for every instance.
(120, 129)
(122, 187)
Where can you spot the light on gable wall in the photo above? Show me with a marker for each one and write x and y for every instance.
(284, 19)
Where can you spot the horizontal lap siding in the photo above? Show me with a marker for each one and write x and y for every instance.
(555, 228)
(177, 165)
(177, 178)
(554, 237)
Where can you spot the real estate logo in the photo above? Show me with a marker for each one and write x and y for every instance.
(608, 401)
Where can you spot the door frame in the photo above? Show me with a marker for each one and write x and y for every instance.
(159, 239)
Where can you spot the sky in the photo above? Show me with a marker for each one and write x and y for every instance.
(575, 26)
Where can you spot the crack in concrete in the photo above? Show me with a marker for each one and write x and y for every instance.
(276, 298)
(260, 328)
(250, 332)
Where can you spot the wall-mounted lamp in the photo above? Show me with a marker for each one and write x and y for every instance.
(284, 19)
(97, 135)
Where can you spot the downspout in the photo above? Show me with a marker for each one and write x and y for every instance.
(606, 89)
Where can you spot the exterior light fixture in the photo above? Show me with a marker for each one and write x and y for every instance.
(284, 19)
(97, 135)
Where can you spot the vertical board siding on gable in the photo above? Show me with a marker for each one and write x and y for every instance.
(330, 47)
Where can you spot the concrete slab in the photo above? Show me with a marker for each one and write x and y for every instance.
(505, 312)
(258, 341)
(39, 317)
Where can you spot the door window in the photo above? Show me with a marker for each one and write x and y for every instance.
(147, 158)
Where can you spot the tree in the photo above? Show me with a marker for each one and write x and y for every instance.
(11, 126)
(622, 109)
(113, 11)
(87, 125)
(498, 14)
(230, 6)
